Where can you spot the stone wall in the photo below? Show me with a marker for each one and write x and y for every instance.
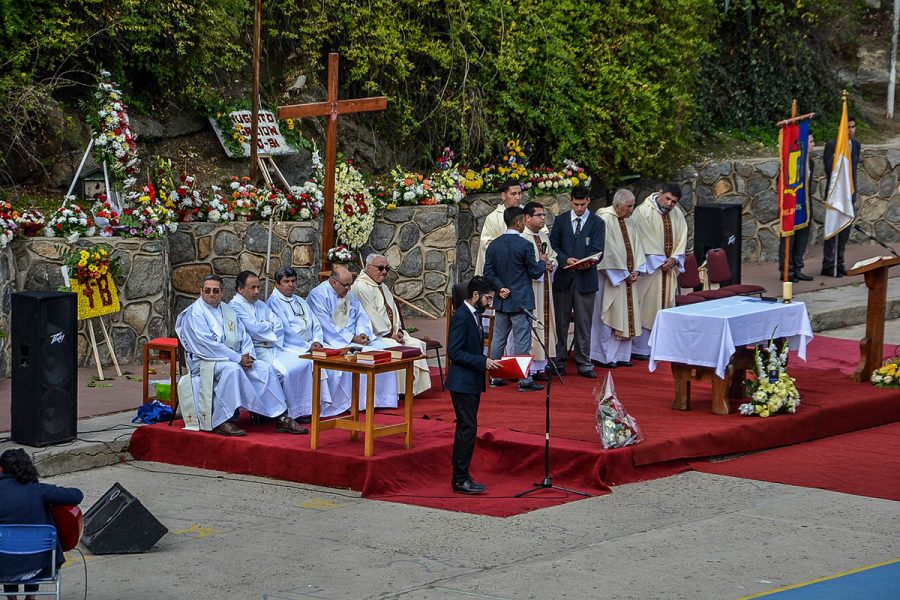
(7, 281)
(143, 291)
(198, 249)
(420, 243)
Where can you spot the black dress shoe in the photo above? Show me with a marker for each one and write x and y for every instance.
(589, 374)
(624, 363)
(530, 387)
(230, 429)
(640, 357)
(539, 376)
(469, 487)
(830, 273)
(497, 382)
(803, 277)
(611, 365)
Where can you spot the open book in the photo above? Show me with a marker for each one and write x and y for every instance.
(513, 367)
(591, 260)
(870, 261)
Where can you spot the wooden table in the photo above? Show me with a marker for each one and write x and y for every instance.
(351, 422)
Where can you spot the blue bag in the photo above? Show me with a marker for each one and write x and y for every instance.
(153, 412)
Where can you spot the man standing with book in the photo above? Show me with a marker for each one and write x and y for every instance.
(382, 310)
(465, 378)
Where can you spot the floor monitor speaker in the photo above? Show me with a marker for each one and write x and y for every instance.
(119, 524)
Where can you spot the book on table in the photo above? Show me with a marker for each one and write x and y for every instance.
(404, 352)
(371, 357)
(328, 352)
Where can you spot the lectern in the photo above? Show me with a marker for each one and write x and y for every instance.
(871, 347)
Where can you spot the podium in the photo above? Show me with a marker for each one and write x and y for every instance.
(871, 347)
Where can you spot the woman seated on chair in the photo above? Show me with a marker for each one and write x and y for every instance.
(24, 501)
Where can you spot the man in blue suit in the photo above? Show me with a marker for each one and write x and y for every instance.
(511, 265)
(465, 378)
(576, 234)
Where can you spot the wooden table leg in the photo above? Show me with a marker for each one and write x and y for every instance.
(316, 396)
(354, 405)
(370, 415)
(682, 375)
(408, 405)
(720, 388)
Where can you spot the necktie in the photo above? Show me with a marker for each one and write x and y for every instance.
(577, 226)
(387, 307)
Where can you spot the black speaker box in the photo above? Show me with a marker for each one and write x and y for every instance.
(119, 524)
(44, 407)
(719, 226)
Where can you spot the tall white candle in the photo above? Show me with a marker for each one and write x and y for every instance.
(787, 291)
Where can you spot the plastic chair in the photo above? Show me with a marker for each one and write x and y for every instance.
(22, 540)
(690, 279)
(719, 272)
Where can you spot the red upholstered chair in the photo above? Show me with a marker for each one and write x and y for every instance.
(719, 272)
(684, 299)
(690, 279)
(162, 349)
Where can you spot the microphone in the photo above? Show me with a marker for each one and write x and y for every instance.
(859, 228)
(543, 247)
(529, 314)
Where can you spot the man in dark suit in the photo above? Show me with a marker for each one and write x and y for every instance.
(465, 378)
(511, 265)
(576, 234)
(833, 257)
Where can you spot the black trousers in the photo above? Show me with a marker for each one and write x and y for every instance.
(798, 242)
(834, 252)
(466, 408)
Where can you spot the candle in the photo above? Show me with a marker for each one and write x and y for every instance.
(787, 291)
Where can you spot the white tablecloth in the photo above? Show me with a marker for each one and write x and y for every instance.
(706, 334)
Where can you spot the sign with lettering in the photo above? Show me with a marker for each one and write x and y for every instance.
(270, 139)
(96, 298)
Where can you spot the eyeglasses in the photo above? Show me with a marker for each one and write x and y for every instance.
(383, 268)
(346, 286)
(212, 290)
(539, 215)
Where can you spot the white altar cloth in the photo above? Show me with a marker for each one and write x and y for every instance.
(706, 334)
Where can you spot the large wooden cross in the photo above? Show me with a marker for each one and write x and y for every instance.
(331, 108)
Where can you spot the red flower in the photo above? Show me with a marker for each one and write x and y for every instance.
(348, 210)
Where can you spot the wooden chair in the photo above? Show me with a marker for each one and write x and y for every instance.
(720, 273)
(162, 350)
(430, 346)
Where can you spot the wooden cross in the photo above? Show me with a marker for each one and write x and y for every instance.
(331, 108)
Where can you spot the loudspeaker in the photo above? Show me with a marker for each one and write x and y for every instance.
(119, 524)
(719, 226)
(44, 406)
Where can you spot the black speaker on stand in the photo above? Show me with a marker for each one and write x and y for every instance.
(44, 408)
(719, 226)
(119, 524)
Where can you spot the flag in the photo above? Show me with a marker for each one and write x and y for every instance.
(793, 200)
(839, 201)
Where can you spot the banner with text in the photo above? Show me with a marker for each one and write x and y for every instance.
(270, 141)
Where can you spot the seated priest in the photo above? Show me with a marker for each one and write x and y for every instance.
(265, 328)
(224, 373)
(302, 333)
(379, 304)
(345, 323)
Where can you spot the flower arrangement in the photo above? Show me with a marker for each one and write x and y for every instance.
(773, 390)
(447, 187)
(87, 265)
(513, 165)
(243, 197)
(114, 140)
(8, 223)
(887, 375)
(472, 181)
(232, 132)
(216, 208)
(271, 201)
(148, 218)
(354, 217)
(105, 216)
(382, 196)
(70, 221)
(340, 254)
(304, 202)
(615, 426)
(30, 221)
(410, 188)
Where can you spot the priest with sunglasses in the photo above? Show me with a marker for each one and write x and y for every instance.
(378, 302)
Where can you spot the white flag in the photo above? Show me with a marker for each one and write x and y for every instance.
(839, 202)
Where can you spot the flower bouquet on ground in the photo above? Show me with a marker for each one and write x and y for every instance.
(616, 427)
(772, 390)
(304, 202)
(8, 223)
(86, 265)
(105, 216)
(30, 222)
(339, 255)
(888, 375)
(70, 221)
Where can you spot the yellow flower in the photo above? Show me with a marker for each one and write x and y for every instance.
(241, 139)
(574, 181)
(235, 135)
(290, 124)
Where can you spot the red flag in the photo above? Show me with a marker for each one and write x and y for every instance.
(791, 154)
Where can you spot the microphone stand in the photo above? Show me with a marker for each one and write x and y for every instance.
(876, 240)
(548, 480)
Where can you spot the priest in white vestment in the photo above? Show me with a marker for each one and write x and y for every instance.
(224, 373)
(662, 229)
(494, 226)
(381, 308)
(537, 234)
(265, 328)
(345, 323)
(617, 307)
(300, 334)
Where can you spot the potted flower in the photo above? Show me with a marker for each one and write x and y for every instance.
(339, 255)
(773, 390)
(888, 375)
(30, 222)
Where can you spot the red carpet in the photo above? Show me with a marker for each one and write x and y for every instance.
(509, 456)
(865, 463)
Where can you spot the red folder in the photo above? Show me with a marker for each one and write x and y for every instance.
(513, 367)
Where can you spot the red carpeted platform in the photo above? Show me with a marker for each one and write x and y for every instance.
(509, 455)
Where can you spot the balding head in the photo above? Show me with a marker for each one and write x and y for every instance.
(623, 203)
(341, 279)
